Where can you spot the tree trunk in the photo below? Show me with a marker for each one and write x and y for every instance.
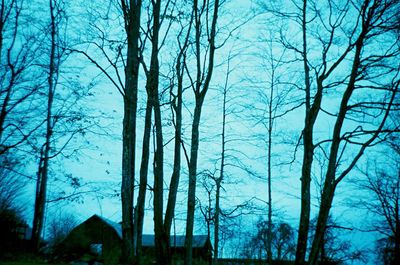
(174, 183)
(323, 248)
(216, 222)
(323, 215)
(199, 95)
(128, 170)
(307, 156)
(139, 214)
(153, 82)
(127, 186)
(131, 11)
(4, 112)
(4, 106)
(330, 181)
(192, 182)
(305, 198)
(269, 166)
(222, 171)
(160, 237)
(41, 191)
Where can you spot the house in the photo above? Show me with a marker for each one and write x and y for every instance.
(100, 239)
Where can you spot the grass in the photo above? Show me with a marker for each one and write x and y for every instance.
(29, 262)
(25, 259)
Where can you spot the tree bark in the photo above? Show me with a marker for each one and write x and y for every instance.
(174, 183)
(153, 82)
(127, 186)
(219, 180)
(144, 166)
(3, 113)
(308, 154)
(216, 221)
(132, 12)
(330, 181)
(269, 165)
(192, 183)
(41, 191)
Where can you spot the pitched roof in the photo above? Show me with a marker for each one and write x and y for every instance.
(148, 240)
(117, 227)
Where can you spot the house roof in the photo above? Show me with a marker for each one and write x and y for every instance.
(117, 227)
(148, 240)
(177, 241)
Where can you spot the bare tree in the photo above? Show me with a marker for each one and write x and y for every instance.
(127, 56)
(131, 11)
(376, 19)
(360, 64)
(210, 206)
(158, 13)
(207, 209)
(60, 225)
(152, 87)
(176, 106)
(43, 171)
(383, 183)
(66, 120)
(19, 79)
(162, 226)
(226, 159)
(277, 99)
(282, 241)
(219, 180)
(334, 247)
(200, 85)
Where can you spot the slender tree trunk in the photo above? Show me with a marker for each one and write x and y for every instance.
(279, 254)
(330, 181)
(305, 198)
(160, 237)
(192, 183)
(269, 232)
(139, 214)
(174, 183)
(194, 144)
(216, 221)
(131, 11)
(307, 156)
(4, 111)
(209, 219)
(370, 13)
(127, 186)
(219, 180)
(269, 166)
(200, 95)
(41, 191)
